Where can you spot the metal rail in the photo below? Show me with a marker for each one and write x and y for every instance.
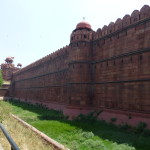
(10, 140)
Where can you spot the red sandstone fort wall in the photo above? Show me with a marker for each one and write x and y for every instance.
(107, 69)
(121, 63)
(44, 80)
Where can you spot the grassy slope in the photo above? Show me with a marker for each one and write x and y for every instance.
(20, 134)
(79, 135)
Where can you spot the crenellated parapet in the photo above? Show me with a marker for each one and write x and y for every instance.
(126, 21)
(145, 12)
(49, 58)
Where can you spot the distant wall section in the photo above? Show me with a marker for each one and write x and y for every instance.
(44, 81)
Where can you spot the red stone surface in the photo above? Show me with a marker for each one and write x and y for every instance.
(83, 24)
(7, 70)
(108, 69)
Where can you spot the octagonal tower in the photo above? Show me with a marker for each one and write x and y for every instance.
(80, 56)
(83, 32)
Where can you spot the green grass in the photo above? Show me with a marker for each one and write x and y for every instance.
(81, 135)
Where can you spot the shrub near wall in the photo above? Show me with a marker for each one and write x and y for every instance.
(1, 78)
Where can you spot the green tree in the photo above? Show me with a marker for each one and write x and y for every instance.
(1, 78)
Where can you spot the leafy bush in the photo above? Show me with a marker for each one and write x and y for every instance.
(94, 145)
(141, 127)
(124, 126)
(115, 146)
(1, 78)
(113, 119)
(146, 132)
(74, 145)
(91, 117)
(87, 135)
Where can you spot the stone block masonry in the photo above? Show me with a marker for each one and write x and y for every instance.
(105, 70)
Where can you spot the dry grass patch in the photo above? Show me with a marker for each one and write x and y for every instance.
(24, 137)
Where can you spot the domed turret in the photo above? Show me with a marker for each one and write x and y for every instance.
(9, 60)
(83, 25)
(82, 32)
(19, 65)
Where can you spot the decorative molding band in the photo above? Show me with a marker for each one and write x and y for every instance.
(64, 70)
(90, 83)
(41, 87)
(139, 51)
(111, 82)
(38, 65)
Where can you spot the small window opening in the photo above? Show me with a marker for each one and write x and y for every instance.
(85, 36)
(131, 59)
(139, 16)
(114, 62)
(135, 19)
(104, 41)
(140, 57)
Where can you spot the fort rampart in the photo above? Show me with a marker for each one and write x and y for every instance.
(105, 70)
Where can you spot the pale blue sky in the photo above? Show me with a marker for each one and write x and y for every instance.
(32, 29)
